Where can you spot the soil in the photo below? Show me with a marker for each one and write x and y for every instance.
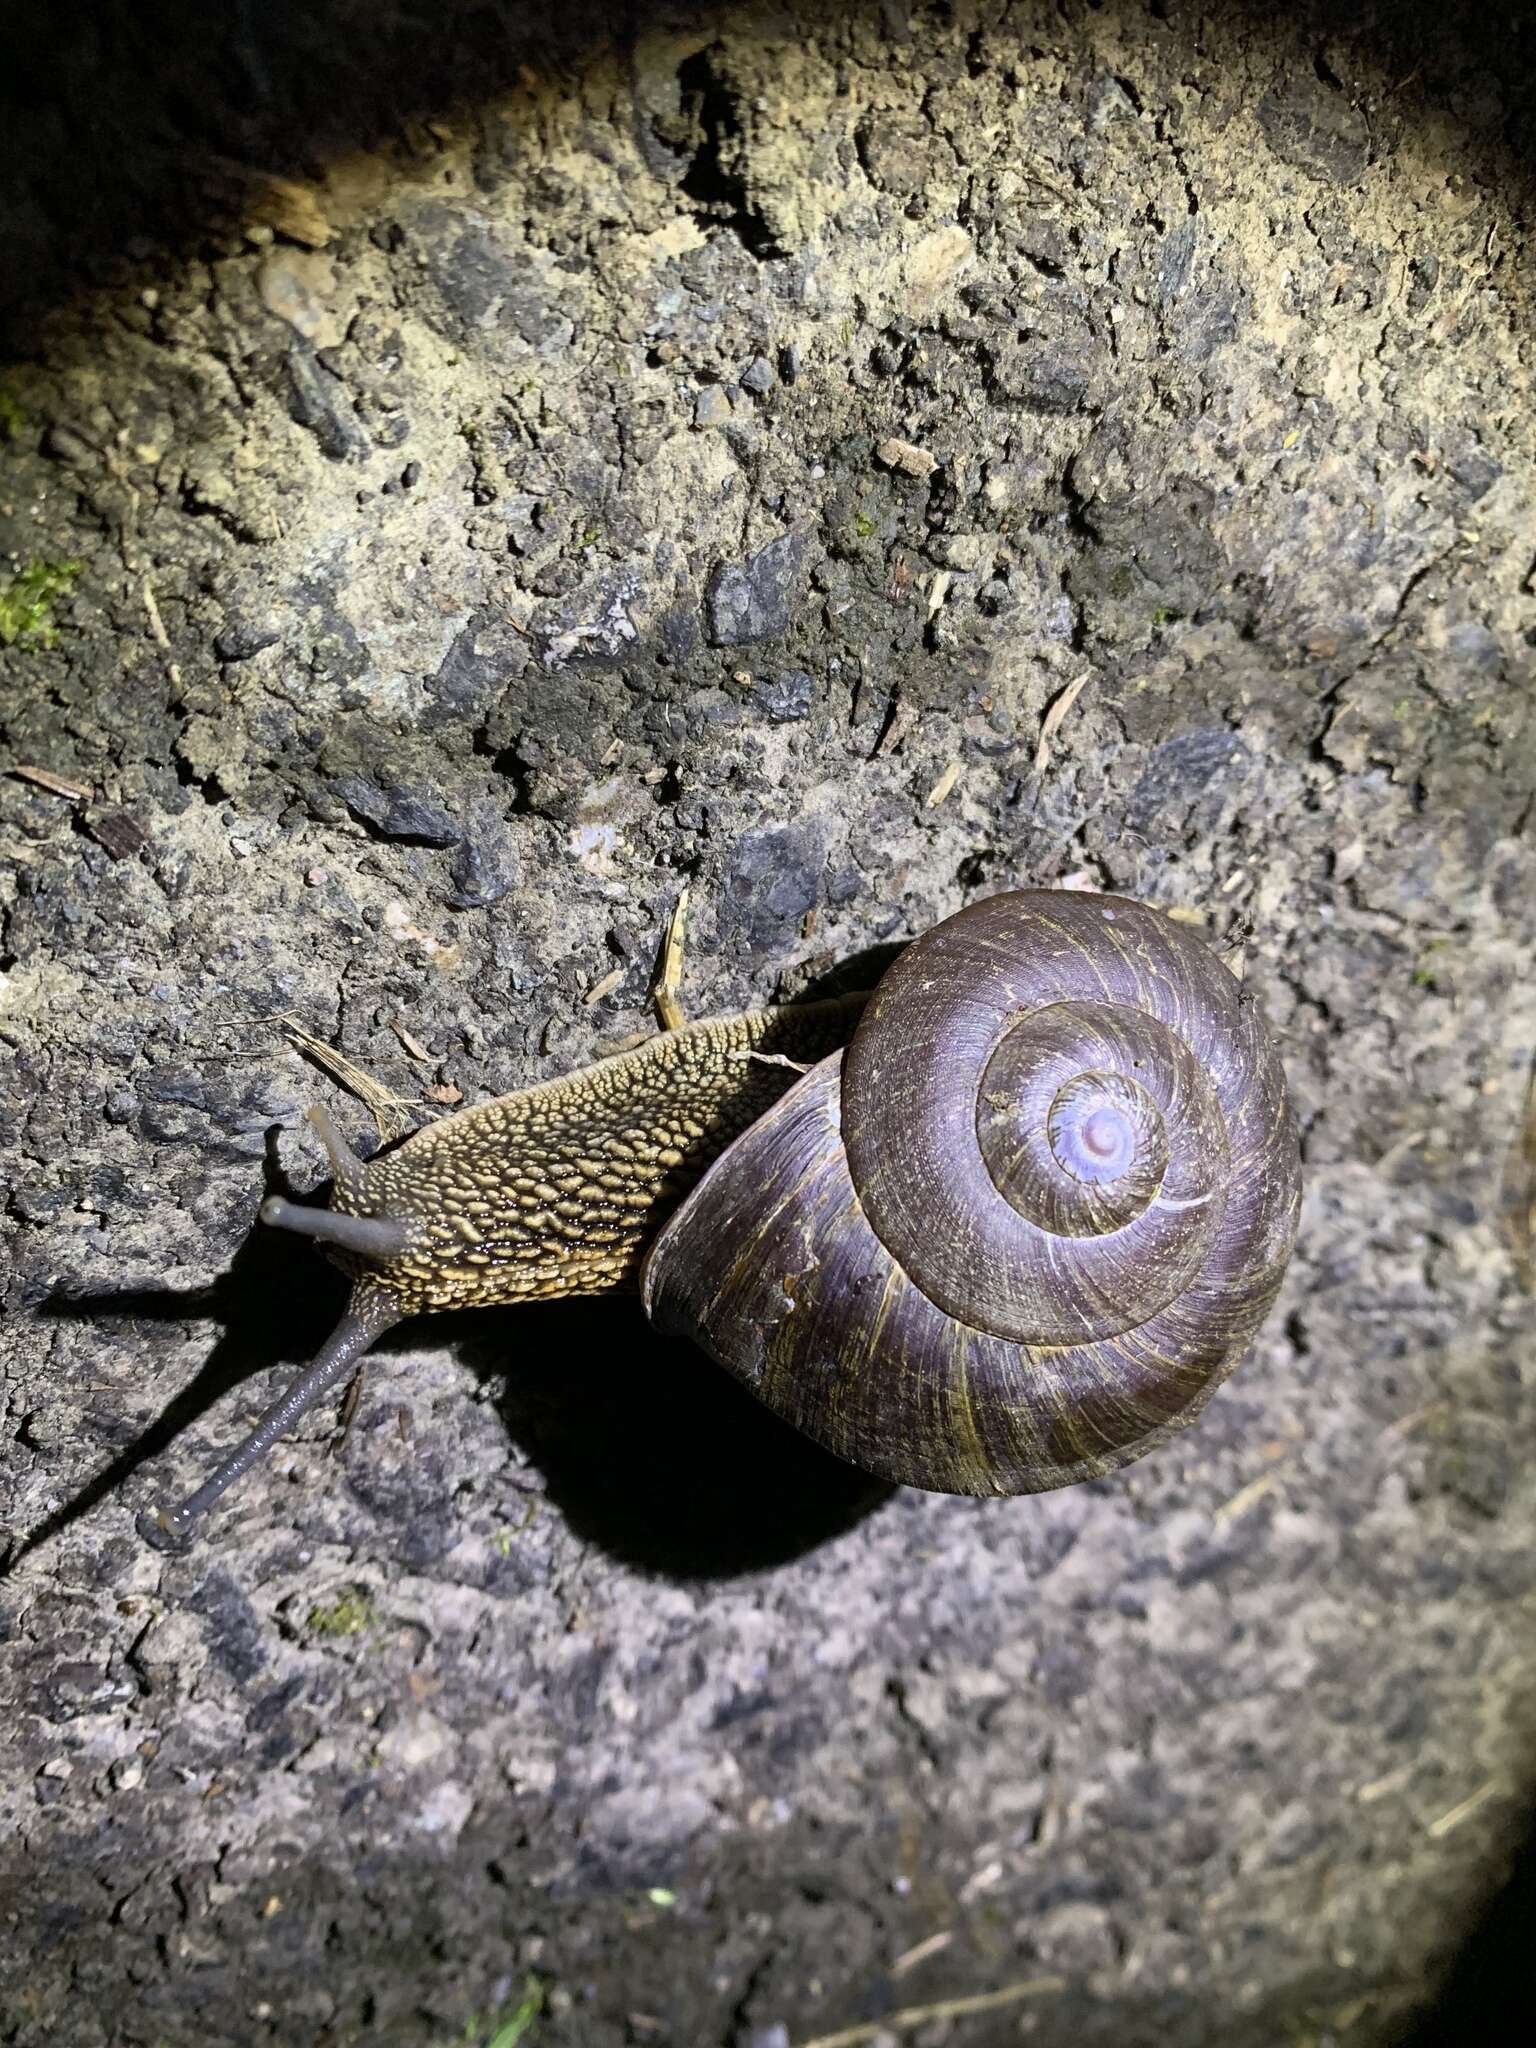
(465, 478)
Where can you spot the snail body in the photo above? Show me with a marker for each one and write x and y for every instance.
(1015, 1224)
(560, 1188)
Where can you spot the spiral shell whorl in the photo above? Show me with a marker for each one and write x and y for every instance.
(986, 1052)
(1030, 1225)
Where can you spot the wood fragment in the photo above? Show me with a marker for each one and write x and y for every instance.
(907, 457)
(934, 1945)
(610, 981)
(293, 210)
(943, 786)
(1246, 1497)
(56, 785)
(1399, 1149)
(156, 623)
(349, 1404)
(669, 1011)
(911, 2016)
(412, 1044)
(903, 718)
(1056, 712)
(777, 1059)
(1405, 1425)
(1518, 1198)
(121, 834)
(1379, 1788)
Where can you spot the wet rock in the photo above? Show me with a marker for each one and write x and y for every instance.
(397, 810)
(484, 867)
(751, 600)
(318, 401)
(1318, 131)
(480, 660)
(242, 638)
(772, 881)
(237, 1637)
(784, 697)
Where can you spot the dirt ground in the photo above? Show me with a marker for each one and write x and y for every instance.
(463, 479)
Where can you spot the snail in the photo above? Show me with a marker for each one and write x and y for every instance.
(1019, 1217)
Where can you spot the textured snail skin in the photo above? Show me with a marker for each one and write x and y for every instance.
(977, 1291)
(560, 1188)
(555, 1190)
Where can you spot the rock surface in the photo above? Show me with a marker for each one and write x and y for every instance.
(467, 438)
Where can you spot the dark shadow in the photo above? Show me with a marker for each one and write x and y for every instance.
(647, 1448)
(857, 973)
(133, 132)
(650, 1450)
(1487, 1996)
(278, 1302)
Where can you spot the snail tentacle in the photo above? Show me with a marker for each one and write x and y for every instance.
(371, 1237)
(371, 1311)
(554, 1190)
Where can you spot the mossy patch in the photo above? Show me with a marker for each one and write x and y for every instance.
(27, 601)
(506, 2027)
(350, 1613)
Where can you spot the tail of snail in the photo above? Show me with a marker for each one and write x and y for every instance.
(1014, 1236)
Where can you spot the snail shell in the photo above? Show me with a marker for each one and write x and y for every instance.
(1022, 1229)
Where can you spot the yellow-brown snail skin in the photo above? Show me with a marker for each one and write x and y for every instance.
(1013, 1237)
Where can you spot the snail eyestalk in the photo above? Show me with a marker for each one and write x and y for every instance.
(372, 1237)
(370, 1313)
(345, 1164)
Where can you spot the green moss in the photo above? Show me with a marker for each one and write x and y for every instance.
(512, 2026)
(350, 1613)
(863, 525)
(1428, 974)
(13, 415)
(27, 600)
(1121, 580)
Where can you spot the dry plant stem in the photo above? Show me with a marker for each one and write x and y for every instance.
(668, 1009)
(910, 2016)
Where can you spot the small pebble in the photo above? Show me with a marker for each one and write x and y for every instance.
(907, 457)
(784, 697)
